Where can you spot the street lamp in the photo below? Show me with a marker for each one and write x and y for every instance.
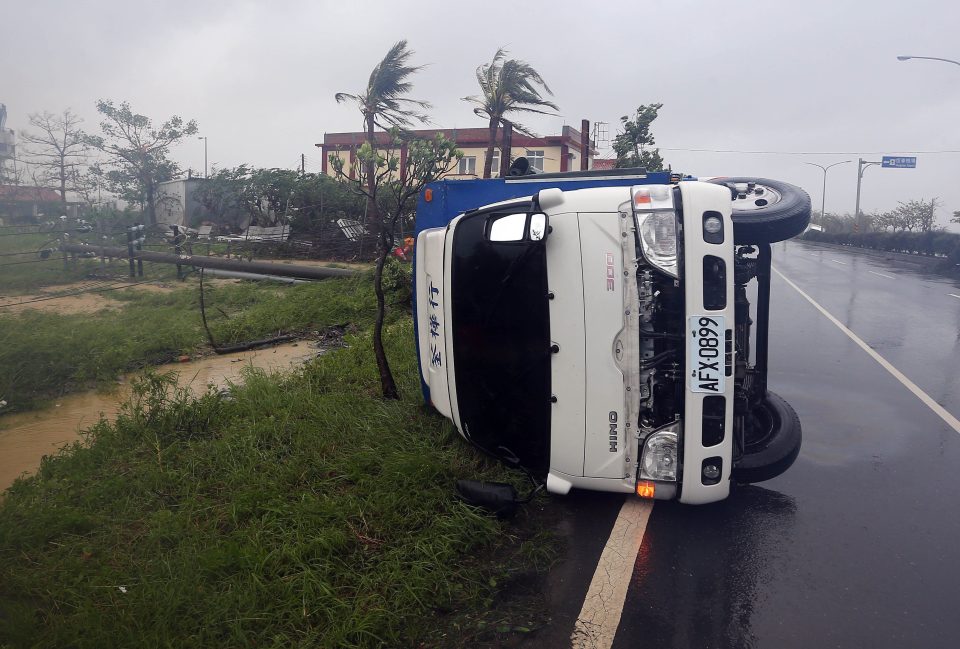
(929, 58)
(823, 199)
(204, 138)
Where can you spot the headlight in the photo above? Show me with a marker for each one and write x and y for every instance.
(657, 227)
(659, 460)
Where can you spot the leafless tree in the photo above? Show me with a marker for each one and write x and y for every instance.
(57, 150)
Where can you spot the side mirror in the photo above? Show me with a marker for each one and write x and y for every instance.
(519, 226)
(538, 226)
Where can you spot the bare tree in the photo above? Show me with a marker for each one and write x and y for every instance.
(57, 149)
(919, 215)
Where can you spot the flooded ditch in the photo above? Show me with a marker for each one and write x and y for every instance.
(26, 437)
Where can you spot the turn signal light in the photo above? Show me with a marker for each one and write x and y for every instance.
(645, 489)
(428, 195)
(642, 197)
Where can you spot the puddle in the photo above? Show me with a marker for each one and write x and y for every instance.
(28, 436)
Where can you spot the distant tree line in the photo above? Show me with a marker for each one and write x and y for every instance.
(910, 228)
(235, 197)
(908, 216)
(932, 243)
(128, 159)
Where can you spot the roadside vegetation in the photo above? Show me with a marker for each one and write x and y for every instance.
(910, 228)
(20, 273)
(931, 244)
(300, 510)
(45, 354)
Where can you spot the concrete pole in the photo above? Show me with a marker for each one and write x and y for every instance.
(204, 138)
(506, 148)
(139, 247)
(861, 167)
(584, 144)
(200, 261)
(133, 267)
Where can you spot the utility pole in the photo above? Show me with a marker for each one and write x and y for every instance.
(506, 149)
(133, 267)
(584, 144)
(303, 164)
(139, 243)
(861, 167)
(204, 138)
(823, 199)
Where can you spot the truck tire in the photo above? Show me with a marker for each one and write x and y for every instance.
(766, 211)
(774, 451)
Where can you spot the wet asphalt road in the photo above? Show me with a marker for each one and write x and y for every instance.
(858, 544)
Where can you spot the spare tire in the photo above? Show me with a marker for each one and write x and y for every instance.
(777, 444)
(766, 211)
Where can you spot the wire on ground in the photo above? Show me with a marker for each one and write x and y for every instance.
(104, 290)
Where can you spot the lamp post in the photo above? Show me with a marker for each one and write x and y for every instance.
(204, 138)
(928, 58)
(823, 198)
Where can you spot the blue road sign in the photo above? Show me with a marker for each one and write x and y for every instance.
(899, 162)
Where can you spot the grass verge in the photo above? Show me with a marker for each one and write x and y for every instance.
(301, 511)
(25, 272)
(44, 354)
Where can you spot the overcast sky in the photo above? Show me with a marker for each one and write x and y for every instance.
(259, 77)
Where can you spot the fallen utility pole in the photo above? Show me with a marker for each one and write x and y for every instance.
(200, 261)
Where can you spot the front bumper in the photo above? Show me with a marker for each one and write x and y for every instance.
(705, 295)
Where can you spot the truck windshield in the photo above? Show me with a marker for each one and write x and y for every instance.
(501, 341)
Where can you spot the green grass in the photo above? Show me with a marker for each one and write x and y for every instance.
(299, 512)
(44, 354)
(17, 277)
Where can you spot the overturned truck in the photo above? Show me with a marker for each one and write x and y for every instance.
(594, 328)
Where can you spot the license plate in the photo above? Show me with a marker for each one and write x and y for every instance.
(707, 367)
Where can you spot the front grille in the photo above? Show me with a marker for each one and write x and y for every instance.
(714, 283)
(714, 416)
(728, 352)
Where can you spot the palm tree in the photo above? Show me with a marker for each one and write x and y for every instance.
(508, 86)
(384, 104)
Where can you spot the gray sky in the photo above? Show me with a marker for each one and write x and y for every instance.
(259, 77)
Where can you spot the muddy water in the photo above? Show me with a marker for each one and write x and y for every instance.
(27, 437)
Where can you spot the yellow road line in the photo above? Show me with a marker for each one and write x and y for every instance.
(600, 616)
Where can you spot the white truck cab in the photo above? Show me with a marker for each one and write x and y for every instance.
(597, 334)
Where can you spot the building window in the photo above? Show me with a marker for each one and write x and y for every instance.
(535, 158)
(468, 166)
(495, 165)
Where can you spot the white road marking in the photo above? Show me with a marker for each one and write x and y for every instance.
(940, 411)
(600, 616)
(881, 275)
(954, 295)
(839, 262)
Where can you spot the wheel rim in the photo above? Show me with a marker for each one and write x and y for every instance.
(754, 196)
(766, 422)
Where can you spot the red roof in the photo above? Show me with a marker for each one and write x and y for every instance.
(465, 137)
(24, 194)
